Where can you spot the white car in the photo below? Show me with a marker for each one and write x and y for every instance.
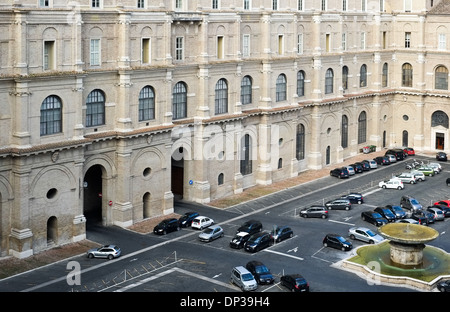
(407, 177)
(201, 222)
(436, 167)
(392, 184)
(351, 170)
(391, 158)
(365, 235)
(418, 175)
(372, 163)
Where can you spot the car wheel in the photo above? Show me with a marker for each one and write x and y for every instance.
(347, 208)
(412, 182)
(110, 257)
(352, 236)
(359, 202)
(304, 215)
(164, 232)
(399, 188)
(343, 248)
(178, 228)
(384, 186)
(324, 216)
(90, 256)
(325, 245)
(371, 242)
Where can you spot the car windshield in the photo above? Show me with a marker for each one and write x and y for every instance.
(300, 281)
(341, 239)
(414, 202)
(208, 231)
(370, 233)
(377, 215)
(247, 277)
(261, 269)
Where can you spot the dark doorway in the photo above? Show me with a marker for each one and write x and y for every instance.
(405, 138)
(328, 155)
(92, 199)
(440, 141)
(178, 174)
(52, 231)
(384, 138)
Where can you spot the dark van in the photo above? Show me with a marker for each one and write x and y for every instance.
(398, 153)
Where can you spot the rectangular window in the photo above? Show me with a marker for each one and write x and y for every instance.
(280, 44)
(300, 44)
(44, 3)
(408, 5)
(220, 47)
(179, 48)
(384, 40)
(274, 4)
(407, 40)
(324, 5)
(363, 5)
(344, 5)
(49, 55)
(247, 5)
(141, 4)
(442, 44)
(300, 5)
(146, 50)
(381, 5)
(95, 52)
(178, 4)
(363, 41)
(215, 4)
(246, 45)
(344, 42)
(95, 3)
(327, 43)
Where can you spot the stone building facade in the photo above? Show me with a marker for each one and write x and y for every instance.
(111, 109)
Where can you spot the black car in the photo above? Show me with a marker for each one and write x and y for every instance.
(443, 286)
(339, 172)
(186, 219)
(397, 211)
(340, 204)
(314, 212)
(258, 241)
(424, 217)
(398, 153)
(282, 233)
(441, 156)
(357, 167)
(337, 241)
(239, 240)
(365, 166)
(386, 213)
(260, 272)
(354, 198)
(250, 226)
(295, 282)
(373, 217)
(382, 160)
(166, 226)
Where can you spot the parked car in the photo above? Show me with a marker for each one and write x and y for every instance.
(392, 184)
(336, 241)
(166, 226)
(339, 204)
(409, 151)
(397, 211)
(365, 235)
(354, 198)
(382, 160)
(295, 282)
(420, 218)
(211, 233)
(410, 203)
(351, 170)
(428, 171)
(282, 233)
(258, 241)
(447, 181)
(436, 167)
(242, 277)
(438, 213)
(357, 167)
(339, 172)
(445, 209)
(186, 219)
(443, 286)
(407, 220)
(418, 175)
(373, 217)
(392, 158)
(238, 241)
(445, 202)
(314, 212)
(250, 226)
(260, 272)
(365, 166)
(372, 163)
(397, 152)
(407, 177)
(105, 251)
(386, 213)
(201, 222)
(441, 156)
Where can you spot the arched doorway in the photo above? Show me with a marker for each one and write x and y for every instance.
(52, 231)
(405, 138)
(93, 194)
(328, 155)
(146, 206)
(177, 178)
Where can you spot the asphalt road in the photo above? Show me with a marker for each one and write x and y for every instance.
(179, 262)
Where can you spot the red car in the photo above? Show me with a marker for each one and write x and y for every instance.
(444, 202)
(410, 151)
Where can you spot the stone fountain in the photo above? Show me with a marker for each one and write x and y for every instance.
(404, 258)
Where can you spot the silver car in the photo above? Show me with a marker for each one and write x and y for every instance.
(106, 251)
(438, 213)
(211, 233)
(365, 235)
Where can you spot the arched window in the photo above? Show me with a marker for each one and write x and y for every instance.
(300, 142)
(329, 77)
(301, 83)
(221, 97)
(363, 76)
(246, 155)
(95, 109)
(345, 77)
(179, 101)
(220, 179)
(146, 103)
(344, 131)
(246, 90)
(51, 115)
(407, 75)
(281, 88)
(441, 78)
(384, 77)
(439, 118)
(362, 127)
